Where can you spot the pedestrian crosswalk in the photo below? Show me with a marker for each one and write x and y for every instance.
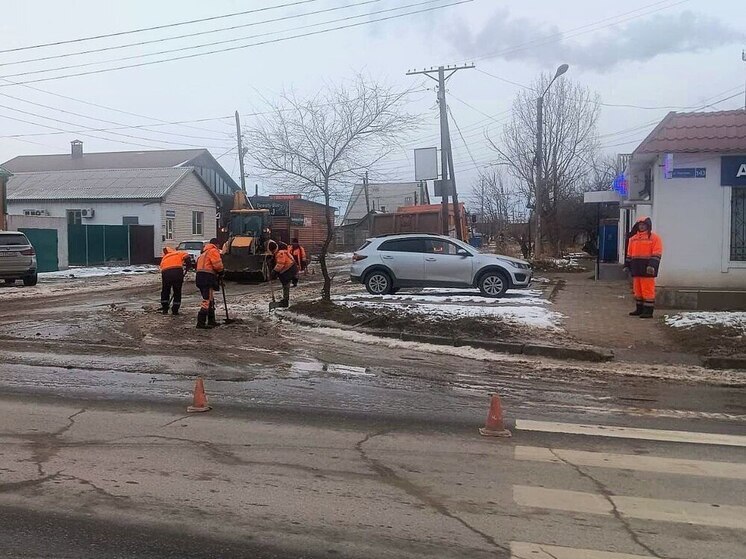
(624, 507)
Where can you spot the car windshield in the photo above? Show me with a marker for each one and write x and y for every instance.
(13, 240)
(191, 245)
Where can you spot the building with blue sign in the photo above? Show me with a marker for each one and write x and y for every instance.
(689, 176)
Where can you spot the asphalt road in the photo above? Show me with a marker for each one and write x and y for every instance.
(321, 446)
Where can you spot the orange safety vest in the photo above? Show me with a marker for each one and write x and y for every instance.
(299, 255)
(210, 261)
(644, 250)
(283, 261)
(173, 259)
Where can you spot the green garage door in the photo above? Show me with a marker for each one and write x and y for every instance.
(44, 242)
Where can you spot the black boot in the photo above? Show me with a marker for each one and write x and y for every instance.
(202, 320)
(647, 312)
(211, 322)
(283, 304)
(637, 311)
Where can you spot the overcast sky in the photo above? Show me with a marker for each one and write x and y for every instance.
(665, 54)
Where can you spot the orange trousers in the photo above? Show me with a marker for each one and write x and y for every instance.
(644, 290)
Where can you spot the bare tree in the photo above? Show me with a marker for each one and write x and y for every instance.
(497, 200)
(319, 146)
(569, 142)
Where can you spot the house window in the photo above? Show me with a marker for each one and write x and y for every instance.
(169, 228)
(198, 219)
(408, 201)
(130, 220)
(738, 225)
(74, 217)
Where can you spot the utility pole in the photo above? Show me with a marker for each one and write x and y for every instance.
(240, 152)
(448, 176)
(367, 194)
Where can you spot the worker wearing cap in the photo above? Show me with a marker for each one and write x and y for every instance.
(285, 269)
(643, 259)
(299, 257)
(173, 265)
(209, 276)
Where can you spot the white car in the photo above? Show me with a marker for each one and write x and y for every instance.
(194, 248)
(388, 263)
(17, 258)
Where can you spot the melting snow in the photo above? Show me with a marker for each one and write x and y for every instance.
(735, 320)
(97, 271)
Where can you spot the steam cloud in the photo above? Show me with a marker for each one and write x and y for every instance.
(637, 41)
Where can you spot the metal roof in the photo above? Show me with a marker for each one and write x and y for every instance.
(145, 159)
(711, 132)
(105, 184)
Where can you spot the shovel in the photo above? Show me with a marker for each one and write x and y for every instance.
(225, 304)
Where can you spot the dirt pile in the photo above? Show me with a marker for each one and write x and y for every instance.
(393, 320)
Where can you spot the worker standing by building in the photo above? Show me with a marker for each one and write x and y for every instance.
(643, 258)
(285, 269)
(173, 267)
(209, 274)
(301, 260)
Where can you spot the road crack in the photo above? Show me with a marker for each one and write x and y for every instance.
(607, 494)
(392, 478)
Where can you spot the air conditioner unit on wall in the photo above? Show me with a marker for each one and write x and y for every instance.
(87, 213)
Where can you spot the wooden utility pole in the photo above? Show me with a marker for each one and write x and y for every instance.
(240, 152)
(448, 175)
(367, 194)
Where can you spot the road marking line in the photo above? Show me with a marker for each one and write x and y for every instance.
(681, 466)
(630, 433)
(664, 510)
(523, 550)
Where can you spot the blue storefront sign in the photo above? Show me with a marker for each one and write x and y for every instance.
(733, 170)
(689, 173)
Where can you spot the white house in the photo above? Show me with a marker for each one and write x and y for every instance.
(383, 197)
(689, 176)
(176, 202)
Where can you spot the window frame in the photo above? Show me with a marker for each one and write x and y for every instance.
(420, 240)
(77, 216)
(738, 195)
(198, 223)
(170, 226)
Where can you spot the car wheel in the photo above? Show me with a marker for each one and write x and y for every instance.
(493, 284)
(378, 283)
(30, 280)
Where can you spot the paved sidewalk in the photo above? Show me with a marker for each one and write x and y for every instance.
(597, 314)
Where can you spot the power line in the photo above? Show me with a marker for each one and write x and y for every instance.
(240, 47)
(223, 42)
(450, 112)
(161, 40)
(156, 27)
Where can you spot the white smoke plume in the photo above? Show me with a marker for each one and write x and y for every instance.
(635, 41)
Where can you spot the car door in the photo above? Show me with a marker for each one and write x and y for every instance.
(443, 265)
(405, 258)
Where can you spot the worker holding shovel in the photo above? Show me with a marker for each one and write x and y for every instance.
(285, 269)
(209, 274)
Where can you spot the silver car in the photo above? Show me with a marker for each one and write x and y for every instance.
(388, 263)
(17, 258)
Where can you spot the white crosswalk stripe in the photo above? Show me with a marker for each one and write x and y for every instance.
(677, 466)
(523, 550)
(612, 431)
(704, 514)
(684, 512)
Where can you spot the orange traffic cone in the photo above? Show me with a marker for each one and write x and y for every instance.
(494, 427)
(199, 403)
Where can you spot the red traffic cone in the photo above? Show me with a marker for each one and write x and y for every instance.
(199, 404)
(494, 427)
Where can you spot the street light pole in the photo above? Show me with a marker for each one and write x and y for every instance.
(540, 158)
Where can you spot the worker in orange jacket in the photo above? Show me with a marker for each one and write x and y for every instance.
(173, 266)
(299, 256)
(285, 269)
(643, 259)
(209, 276)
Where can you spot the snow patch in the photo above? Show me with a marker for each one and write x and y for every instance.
(535, 317)
(97, 272)
(735, 320)
(514, 297)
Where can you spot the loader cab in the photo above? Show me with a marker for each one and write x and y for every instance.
(248, 223)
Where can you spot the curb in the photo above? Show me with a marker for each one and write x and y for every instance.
(516, 348)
